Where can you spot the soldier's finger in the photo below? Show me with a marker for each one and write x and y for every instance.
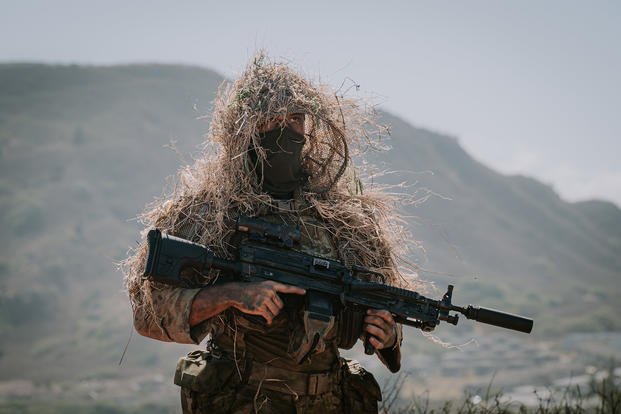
(382, 313)
(376, 332)
(261, 311)
(278, 301)
(272, 307)
(379, 322)
(279, 287)
(268, 315)
(376, 344)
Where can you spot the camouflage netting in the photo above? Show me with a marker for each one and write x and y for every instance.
(221, 185)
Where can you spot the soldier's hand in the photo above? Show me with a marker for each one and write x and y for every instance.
(261, 298)
(381, 327)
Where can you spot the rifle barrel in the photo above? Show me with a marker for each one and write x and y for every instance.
(498, 318)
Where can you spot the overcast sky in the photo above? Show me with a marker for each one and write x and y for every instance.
(526, 86)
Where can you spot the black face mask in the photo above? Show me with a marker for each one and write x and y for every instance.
(282, 168)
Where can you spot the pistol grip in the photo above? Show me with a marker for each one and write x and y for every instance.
(368, 348)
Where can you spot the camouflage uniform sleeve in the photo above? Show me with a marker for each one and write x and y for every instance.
(169, 315)
(163, 312)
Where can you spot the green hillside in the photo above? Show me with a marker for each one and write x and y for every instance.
(83, 149)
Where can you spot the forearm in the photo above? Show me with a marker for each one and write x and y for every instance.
(211, 301)
(258, 298)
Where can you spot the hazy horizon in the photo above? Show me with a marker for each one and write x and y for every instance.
(526, 87)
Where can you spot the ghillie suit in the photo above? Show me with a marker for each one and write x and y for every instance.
(337, 220)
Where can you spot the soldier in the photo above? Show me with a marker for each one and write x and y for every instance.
(284, 154)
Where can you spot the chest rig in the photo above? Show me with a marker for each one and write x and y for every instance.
(316, 320)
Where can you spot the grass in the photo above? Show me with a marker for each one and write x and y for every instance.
(602, 395)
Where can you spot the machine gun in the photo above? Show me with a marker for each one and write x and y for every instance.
(332, 289)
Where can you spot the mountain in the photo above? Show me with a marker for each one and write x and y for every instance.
(490, 228)
(83, 149)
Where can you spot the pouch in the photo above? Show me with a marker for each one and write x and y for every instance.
(203, 372)
(361, 391)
